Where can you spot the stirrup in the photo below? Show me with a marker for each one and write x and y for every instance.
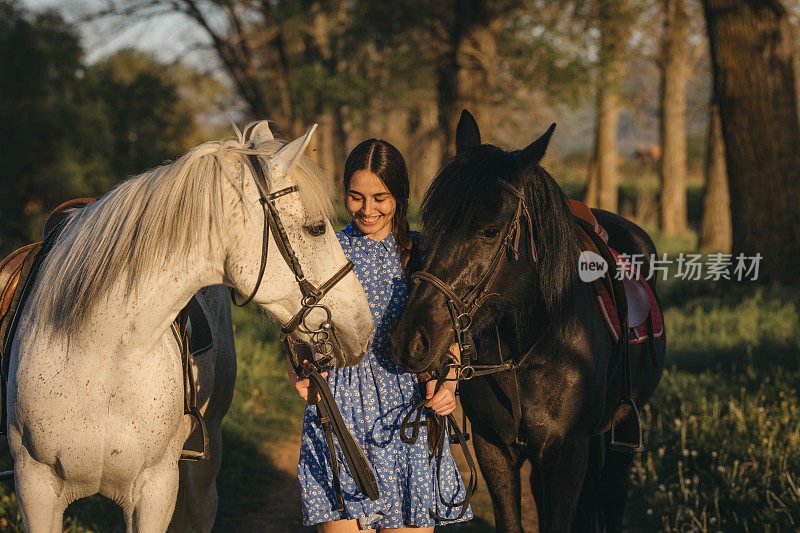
(205, 453)
(622, 446)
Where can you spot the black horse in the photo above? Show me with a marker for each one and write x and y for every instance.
(498, 222)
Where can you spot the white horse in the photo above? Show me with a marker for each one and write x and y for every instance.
(95, 392)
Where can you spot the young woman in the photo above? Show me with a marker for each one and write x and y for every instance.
(374, 396)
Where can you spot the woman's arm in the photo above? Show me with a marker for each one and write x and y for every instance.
(444, 402)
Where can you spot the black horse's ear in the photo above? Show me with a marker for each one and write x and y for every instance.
(467, 132)
(535, 151)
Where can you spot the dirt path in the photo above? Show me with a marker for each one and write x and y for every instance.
(280, 508)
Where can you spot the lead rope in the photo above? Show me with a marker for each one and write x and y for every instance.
(516, 403)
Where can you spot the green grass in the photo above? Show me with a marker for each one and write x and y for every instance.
(723, 429)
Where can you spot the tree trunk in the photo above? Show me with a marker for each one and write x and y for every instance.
(323, 145)
(675, 76)
(606, 158)
(715, 228)
(466, 69)
(592, 179)
(340, 143)
(753, 62)
(425, 153)
(614, 23)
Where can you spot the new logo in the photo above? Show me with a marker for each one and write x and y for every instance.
(591, 266)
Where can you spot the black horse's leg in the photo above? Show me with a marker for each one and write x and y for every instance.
(588, 516)
(613, 486)
(500, 468)
(537, 489)
(563, 469)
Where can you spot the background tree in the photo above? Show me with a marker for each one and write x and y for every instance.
(715, 227)
(753, 61)
(614, 23)
(148, 121)
(75, 130)
(676, 69)
(55, 137)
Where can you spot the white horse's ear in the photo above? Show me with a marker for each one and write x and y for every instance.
(261, 132)
(283, 161)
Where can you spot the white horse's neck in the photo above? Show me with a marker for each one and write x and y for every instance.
(144, 316)
(130, 323)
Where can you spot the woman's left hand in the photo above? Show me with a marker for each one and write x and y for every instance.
(443, 402)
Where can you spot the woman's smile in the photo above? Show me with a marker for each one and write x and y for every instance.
(368, 220)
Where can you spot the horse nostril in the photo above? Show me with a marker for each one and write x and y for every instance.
(418, 348)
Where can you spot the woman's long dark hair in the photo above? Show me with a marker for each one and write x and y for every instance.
(386, 162)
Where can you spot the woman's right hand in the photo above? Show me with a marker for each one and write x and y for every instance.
(304, 387)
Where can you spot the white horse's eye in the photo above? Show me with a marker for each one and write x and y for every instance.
(316, 229)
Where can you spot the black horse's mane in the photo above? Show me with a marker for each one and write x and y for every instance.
(466, 194)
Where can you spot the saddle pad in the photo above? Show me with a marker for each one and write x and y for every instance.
(200, 338)
(639, 333)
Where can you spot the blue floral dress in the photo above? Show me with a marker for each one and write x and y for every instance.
(373, 397)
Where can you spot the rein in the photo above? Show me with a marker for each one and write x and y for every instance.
(323, 337)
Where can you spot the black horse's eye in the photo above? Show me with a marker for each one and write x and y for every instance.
(316, 229)
(490, 233)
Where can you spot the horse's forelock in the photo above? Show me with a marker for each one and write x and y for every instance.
(466, 192)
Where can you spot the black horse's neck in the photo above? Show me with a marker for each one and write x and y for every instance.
(555, 295)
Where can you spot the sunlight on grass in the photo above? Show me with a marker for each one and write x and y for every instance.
(723, 428)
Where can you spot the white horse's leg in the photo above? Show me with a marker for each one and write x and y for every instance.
(153, 508)
(40, 505)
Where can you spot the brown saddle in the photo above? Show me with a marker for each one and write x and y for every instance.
(191, 327)
(14, 270)
(636, 297)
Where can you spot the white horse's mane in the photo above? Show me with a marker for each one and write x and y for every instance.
(169, 210)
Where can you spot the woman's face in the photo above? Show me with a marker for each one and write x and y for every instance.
(370, 204)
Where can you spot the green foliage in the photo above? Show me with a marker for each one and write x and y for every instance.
(724, 426)
(544, 46)
(53, 141)
(72, 130)
(147, 120)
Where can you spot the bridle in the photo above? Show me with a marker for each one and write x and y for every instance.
(323, 337)
(462, 312)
